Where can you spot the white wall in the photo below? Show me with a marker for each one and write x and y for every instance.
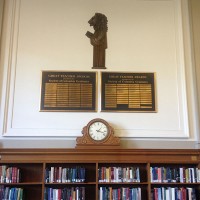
(1, 12)
(143, 36)
(195, 16)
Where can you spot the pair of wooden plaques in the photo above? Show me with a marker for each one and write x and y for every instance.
(78, 91)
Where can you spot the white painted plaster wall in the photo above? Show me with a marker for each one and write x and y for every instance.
(143, 36)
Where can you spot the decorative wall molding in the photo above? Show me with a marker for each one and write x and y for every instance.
(9, 59)
(187, 115)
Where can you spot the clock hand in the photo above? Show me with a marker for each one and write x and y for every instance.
(99, 129)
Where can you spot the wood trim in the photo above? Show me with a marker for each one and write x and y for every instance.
(94, 155)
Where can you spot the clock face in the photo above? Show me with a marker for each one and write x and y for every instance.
(98, 131)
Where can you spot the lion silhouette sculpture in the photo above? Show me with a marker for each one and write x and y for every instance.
(98, 39)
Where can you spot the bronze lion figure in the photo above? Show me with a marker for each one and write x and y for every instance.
(98, 39)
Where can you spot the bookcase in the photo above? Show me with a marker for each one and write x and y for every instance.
(135, 169)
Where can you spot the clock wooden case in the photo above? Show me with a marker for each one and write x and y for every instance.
(97, 134)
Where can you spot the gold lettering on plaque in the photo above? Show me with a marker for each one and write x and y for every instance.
(68, 95)
(128, 91)
(136, 96)
(74, 91)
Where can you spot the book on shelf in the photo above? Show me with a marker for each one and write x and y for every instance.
(119, 174)
(173, 193)
(11, 193)
(123, 193)
(9, 174)
(73, 193)
(174, 175)
(65, 175)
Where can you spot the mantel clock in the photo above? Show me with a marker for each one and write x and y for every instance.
(97, 134)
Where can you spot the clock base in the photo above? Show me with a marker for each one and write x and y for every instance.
(85, 142)
(92, 146)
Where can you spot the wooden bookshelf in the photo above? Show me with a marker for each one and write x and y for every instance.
(34, 162)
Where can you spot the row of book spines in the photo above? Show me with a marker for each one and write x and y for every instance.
(109, 193)
(7, 193)
(9, 174)
(119, 174)
(171, 193)
(64, 175)
(176, 175)
(74, 193)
